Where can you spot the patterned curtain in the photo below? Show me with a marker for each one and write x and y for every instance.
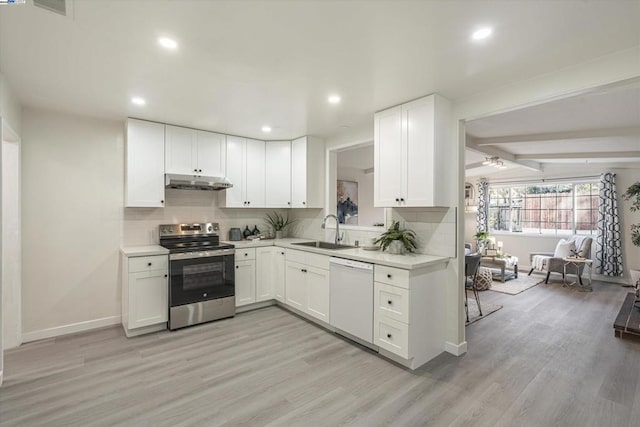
(608, 240)
(483, 206)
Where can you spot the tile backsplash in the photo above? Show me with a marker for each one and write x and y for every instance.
(435, 228)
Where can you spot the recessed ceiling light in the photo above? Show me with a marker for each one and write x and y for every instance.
(167, 43)
(334, 99)
(482, 33)
(138, 101)
(266, 129)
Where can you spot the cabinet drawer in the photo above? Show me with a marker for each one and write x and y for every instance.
(391, 335)
(148, 263)
(391, 302)
(245, 254)
(391, 276)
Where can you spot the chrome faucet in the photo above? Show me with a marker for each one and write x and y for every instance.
(339, 237)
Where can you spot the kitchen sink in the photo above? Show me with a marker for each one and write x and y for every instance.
(323, 245)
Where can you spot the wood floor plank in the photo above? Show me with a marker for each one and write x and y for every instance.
(548, 357)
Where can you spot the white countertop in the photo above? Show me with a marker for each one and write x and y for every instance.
(133, 251)
(407, 261)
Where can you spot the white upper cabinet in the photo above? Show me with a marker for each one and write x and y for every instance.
(180, 150)
(144, 181)
(245, 167)
(307, 173)
(211, 149)
(278, 174)
(194, 152)
(411, 151)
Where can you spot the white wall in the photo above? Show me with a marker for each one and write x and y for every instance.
(11, 246)
(10, 130)
(10, 108)
(367, 214)
(74, 221)
(72, 185)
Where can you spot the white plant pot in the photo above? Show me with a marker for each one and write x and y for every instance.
(396, 247)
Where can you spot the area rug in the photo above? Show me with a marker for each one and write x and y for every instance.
(487, 309)
(515, 286)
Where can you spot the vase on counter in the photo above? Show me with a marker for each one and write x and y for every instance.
(279, 234)
(396, 247)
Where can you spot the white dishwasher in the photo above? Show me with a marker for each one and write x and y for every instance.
(352, 298)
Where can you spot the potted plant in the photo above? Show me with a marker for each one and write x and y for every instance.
(396, 240)
(633, 195)
(278, 223)
(482, 238)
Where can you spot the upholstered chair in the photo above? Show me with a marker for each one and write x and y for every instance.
(546, 261)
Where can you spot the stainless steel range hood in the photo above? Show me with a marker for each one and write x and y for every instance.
(190, 182)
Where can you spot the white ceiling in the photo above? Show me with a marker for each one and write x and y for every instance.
(243, 64)
(598, 127)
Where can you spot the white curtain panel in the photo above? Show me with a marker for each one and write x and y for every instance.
(609, 238)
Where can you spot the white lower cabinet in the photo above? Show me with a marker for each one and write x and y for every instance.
(145, 294)
(295, 286)
(245, 277)
(265, 273)
(408, 315)
(318, 293)
(307, 283)
(279, 268)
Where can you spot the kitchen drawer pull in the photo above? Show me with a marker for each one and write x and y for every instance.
(246, 254)
(149, 264)
(388, 335)
(388, 276)
(389, 302)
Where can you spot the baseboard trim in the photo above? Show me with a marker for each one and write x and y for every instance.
(455, 349)
(70, 329)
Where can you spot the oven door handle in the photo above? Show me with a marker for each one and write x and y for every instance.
(201, 254)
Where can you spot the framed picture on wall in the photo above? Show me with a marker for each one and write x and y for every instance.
(347, 203)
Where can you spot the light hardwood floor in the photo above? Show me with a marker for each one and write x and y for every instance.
(548, 357)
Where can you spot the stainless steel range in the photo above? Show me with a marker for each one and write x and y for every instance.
(201, 274)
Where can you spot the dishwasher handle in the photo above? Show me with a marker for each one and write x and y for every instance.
(351, 263)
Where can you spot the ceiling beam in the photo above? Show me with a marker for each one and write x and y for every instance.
(592, 155)
(493, 151)
(560, 136)
(474, 165)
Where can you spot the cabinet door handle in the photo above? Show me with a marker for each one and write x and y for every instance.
(248, 203)
(246, 254)
(166, 275)
(195, 170)
(304, 203)
(397, 200)
(149, 264)
(162, 201)
(390, 302)
(237, 266)
(281, 253)
(289, 203)
(199, 170)
(388, 276)
(401, 199)
(388, 335)
(304, 271)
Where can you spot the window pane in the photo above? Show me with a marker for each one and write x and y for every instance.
(544, 208)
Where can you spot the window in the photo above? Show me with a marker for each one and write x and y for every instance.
(549, 209)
